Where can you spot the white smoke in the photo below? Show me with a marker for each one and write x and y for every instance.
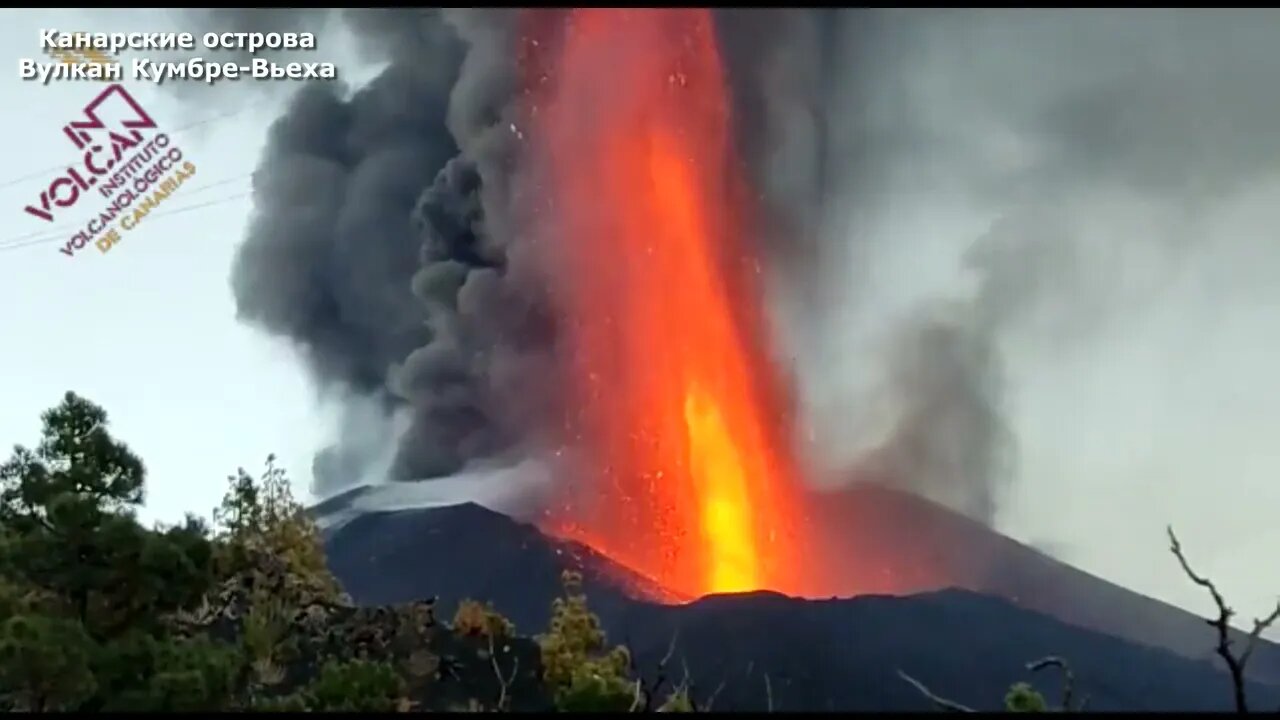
(518, 489)
(1087, 201)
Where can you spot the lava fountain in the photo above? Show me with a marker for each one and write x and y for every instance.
(643, 209)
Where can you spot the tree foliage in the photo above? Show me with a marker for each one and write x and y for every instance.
(1024, 698)
(86, 588)
(584, 673)
(259, 519)
(481, 620)
(352, 686)
(99, 613)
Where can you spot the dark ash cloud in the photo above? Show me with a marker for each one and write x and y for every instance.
(386, 241)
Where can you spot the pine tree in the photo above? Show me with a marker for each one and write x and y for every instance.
(88, 590)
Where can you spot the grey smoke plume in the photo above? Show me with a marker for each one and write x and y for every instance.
(951, 201)
(1020, 204)
(386, 242)
(377, 243)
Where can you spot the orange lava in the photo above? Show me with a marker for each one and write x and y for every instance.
(681, 413)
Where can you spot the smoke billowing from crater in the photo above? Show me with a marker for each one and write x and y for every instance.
(948, 202)
(404, 277)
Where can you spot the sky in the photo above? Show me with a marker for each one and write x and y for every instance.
(148, 330)
(1167, 417)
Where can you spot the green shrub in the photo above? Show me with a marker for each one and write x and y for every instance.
(583, 673)
(1024, 698)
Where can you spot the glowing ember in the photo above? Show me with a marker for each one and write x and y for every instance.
(680, 409)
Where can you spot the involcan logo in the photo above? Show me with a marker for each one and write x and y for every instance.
(86, 57)
(120, 154)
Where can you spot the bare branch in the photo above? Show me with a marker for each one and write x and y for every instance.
(647, 692)
(768, 693)
(1176, 548)
(1068, 677)
(504, 684)
(671, 649)
(515, 667)
(939, 702)
(1259, 626)
(1222, 625)
(686, 687)
(712, 699)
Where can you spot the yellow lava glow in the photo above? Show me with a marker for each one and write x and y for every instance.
(716, 467)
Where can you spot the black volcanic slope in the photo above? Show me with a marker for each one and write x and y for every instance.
(830, 654)
(910, 532)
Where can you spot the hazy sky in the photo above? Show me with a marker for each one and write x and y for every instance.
(1100, 189)
(1168, 419)
(147, 330)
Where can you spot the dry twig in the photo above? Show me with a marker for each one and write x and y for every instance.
(1068, 678)
(1222, 624)
(686, 687)
(714, 694)
(939, 702)
(504, 684)
(646, 693)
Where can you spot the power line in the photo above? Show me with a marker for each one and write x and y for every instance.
(46, 171)
(174, 211)
(69, 227)
(163, 213)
